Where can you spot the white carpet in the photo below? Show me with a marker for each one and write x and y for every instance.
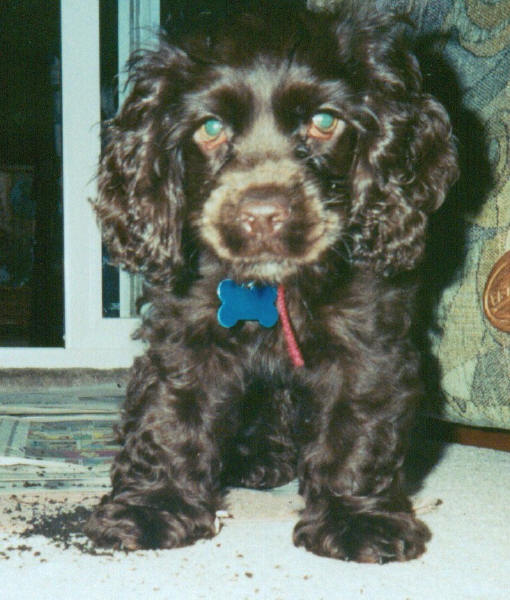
(253, 558)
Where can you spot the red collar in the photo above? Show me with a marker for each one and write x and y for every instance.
(292, 345)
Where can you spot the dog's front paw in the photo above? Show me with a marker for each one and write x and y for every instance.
(112, 525)
(367, 538)
(129, 527)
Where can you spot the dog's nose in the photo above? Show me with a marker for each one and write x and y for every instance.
(263, 211)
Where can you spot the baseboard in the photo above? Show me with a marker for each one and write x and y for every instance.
(43, 379)
(497, 439)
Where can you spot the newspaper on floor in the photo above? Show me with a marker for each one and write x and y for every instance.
(56, 451)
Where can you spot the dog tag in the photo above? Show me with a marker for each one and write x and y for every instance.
(246, 303)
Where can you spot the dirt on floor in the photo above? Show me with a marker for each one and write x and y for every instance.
(58, 517)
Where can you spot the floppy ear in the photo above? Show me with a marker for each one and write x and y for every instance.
(406, 161)
(140, 174)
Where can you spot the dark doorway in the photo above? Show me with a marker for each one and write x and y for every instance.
(31, 215)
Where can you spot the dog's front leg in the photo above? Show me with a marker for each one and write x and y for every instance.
(165, 478)
(350, 477)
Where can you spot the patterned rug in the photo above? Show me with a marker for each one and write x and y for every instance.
(57, 440)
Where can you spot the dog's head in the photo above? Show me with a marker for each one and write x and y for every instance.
(271, 139)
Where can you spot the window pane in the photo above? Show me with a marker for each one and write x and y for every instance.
(125, 26)
(109, 58)
(31, 228)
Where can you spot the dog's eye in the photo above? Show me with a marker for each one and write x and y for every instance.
(210, 134)
(322, 125)
(213, 128)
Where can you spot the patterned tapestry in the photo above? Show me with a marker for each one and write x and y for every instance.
(465, 57)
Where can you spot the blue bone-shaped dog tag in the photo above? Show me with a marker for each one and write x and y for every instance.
(246, 303)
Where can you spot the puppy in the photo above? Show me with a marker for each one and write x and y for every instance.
(271, 174)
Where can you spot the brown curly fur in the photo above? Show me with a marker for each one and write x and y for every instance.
(210, 407)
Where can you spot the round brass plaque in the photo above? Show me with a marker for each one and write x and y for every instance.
(496, 297)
